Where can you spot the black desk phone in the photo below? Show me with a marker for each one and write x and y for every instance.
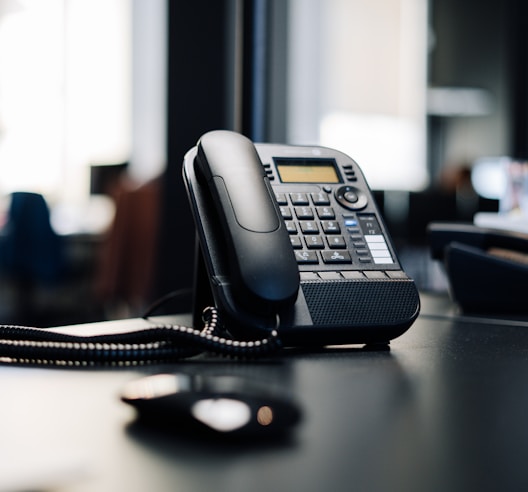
(293, 252)
(291, 239)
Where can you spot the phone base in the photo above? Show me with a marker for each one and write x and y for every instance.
(325, 313)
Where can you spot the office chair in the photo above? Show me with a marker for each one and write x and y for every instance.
(31, 253)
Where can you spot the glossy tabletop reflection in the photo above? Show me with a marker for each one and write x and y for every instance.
(444, 409)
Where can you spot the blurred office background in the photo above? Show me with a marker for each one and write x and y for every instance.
(100, 100)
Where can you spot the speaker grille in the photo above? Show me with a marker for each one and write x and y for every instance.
(361, 303)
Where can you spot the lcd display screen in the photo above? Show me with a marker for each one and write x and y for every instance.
(307, 170)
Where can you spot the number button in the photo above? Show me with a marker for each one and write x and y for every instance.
(296, 242)
(330, 227)
(281, 198)
(291, 227)
(299, 198)
(314, 242)
(304, 213)
(336, 242)
(285, 212)
(325, 212)
(320, 198)
(309, 227)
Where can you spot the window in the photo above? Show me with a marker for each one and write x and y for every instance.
(357, 83)
(65, 93)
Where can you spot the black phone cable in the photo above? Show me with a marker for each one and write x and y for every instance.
(162, 343)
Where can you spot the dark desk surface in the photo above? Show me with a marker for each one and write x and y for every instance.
(445, 410)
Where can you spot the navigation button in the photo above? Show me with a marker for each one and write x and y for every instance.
(351, 196)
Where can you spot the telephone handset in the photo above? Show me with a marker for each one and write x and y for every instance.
(291, 239)
(264, 270)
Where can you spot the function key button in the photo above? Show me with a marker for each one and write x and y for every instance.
(299, 198)
(269, 171)
(320, 198)
(374, 274)
(399, 274)
(351, 222)
(362, 252)
(309, 276)
(353, 275)
(350, 174)
(336, 257)
(330, 276)
(306, 256)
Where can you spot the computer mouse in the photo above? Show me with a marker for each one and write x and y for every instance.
(221, 405)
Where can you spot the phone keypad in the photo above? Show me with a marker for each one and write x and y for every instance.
(321, 234)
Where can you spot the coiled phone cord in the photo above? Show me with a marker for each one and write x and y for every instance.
(161, 343)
